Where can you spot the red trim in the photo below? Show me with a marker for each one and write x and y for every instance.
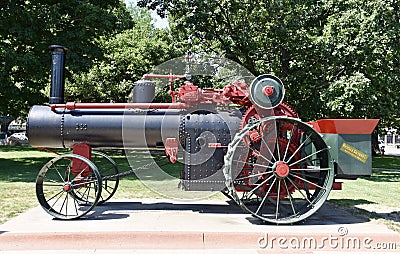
(171, 149)
(80, 168)
(214, 145)
(337, 186)
(345, 126)
(268, 91)
(75, 105)
(282, 169)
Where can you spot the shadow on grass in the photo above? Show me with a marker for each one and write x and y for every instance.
(386, 162)
(383, 176)
(351, 206)
(392, 216)
(27, 148)
(21, 169)
(16, 148)
(349, 203)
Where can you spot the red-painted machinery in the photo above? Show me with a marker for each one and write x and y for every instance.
(240, 139)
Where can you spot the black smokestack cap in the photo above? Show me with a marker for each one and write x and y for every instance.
(57, 73)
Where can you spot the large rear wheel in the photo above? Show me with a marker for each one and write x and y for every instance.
(279, 170)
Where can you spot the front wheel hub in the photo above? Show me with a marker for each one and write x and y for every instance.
(67, 187)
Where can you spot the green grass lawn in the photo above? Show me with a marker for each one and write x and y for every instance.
(20, 165)
(386, 162)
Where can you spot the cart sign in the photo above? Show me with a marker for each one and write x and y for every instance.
(354, 152)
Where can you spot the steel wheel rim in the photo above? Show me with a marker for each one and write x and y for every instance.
(64, 195)
(107, 167)
(314, 169)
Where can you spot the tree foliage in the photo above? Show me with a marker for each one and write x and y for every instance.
(336, 58)
(27, 28)
(128, 55)
(363, 54)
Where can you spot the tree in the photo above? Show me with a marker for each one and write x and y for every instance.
(336, 58)
(363, 52)
(29, 27)
(127, 56)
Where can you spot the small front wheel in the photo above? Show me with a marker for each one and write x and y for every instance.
(68, 186)
(109, 173)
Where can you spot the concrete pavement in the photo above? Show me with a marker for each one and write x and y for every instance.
(175, 226)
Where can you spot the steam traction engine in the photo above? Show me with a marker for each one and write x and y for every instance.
(241, 140)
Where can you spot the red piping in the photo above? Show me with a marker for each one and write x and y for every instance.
(75, 105)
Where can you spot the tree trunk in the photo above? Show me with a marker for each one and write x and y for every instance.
(375, 143)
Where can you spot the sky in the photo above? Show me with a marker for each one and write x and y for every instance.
(158, 22)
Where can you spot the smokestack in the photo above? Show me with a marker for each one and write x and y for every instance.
(57, 73)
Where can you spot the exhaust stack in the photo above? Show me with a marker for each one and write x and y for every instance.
(57, 74)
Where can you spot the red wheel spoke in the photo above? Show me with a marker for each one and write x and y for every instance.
(305, 180)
